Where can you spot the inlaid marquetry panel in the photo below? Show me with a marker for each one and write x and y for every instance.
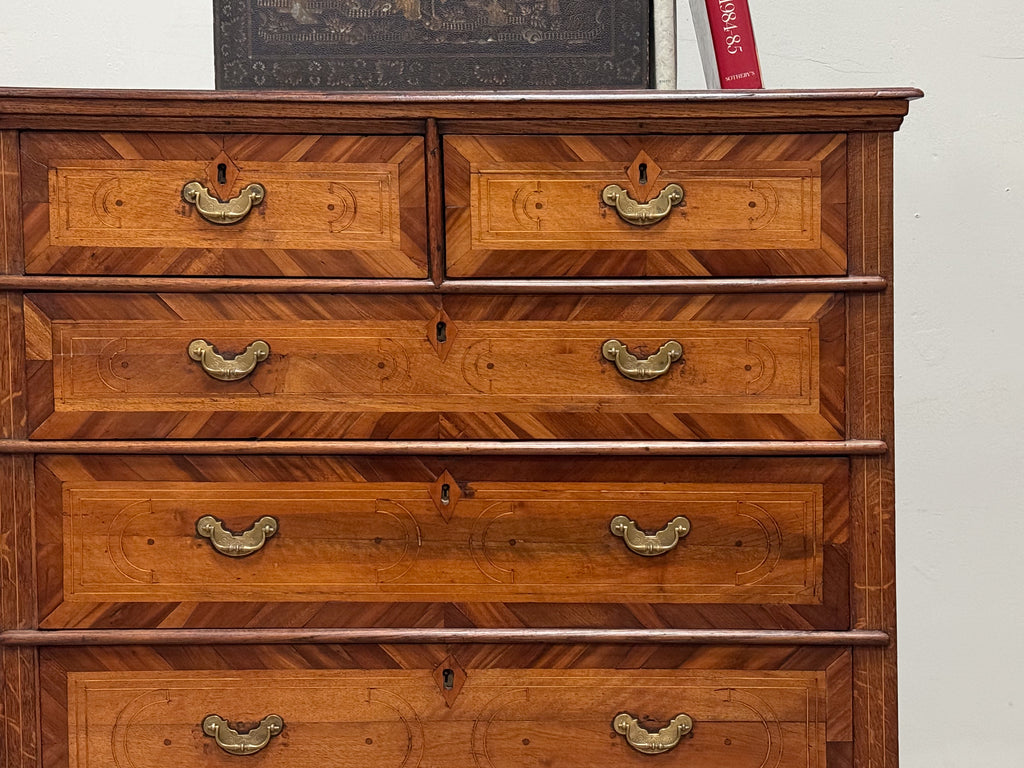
(488, 717)
(531, 206)
(135, 720)
(334, 205)
(118, 535)
(481, 367)
(751, 543)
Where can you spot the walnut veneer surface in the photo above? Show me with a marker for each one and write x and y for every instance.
(359, 474)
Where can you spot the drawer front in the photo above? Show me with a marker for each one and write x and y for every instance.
(729, 367)
(114, 204)
(487, 718)
(537, 206)
(712, 533)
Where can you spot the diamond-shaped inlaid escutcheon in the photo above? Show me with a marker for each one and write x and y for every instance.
(450, 677)
(445, 493)
(644, 173)
(441, 332)
(221, 175)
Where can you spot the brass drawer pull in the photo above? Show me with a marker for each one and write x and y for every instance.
(642, 214)
(218, 368)
(236, 544)
(218, 212)
(650, 545)
(642, 370)
(235, 743)
(642, 740)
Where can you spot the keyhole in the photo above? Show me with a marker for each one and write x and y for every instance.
(448, 678)
(442, 333)
(643, 173)
(222, 173)
(445, 491)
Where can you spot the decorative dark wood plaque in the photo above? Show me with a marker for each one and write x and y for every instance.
(432, 44)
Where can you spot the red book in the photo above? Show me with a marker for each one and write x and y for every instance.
(725, 37)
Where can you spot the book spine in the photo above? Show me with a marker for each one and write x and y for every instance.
(731, 34)
(705, 46)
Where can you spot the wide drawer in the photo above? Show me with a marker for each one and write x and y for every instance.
(620, 206)
(117, 204)
(575, 367)
(454, 713)
(200, 541)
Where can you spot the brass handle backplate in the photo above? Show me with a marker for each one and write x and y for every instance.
(218, 212)
(646, 544)
(221, 369)
(632, 367)
(643, 214)
(236, 544)
(642, 740)
(235, 743)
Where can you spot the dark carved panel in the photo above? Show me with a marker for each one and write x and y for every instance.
(432, 44)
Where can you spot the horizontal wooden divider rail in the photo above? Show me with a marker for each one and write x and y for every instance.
(54, 638)
(456, 447)
(113, 283)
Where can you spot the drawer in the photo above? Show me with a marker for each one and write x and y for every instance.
(653, 206)
(485, 717)
(574, 367)
(115, 204)
(759, 542)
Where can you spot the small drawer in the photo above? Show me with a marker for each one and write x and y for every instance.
(455, 713)
(245, 205)
(651, 206)
(760, 542)
(573, 367)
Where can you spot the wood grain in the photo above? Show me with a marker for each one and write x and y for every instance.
(19, 689)
(19, 698)
(19, 708)
(12, 366)
(524, 206)
(486, 287)
(779, 123)
(676, 126)
(365, 367)
(435, 202)
(17, 574)
(335, 205)
(872, 480)
(866, 109)
(453, 447)
(516, 705)
(11, 260)
(531, 659)
(17, 564)
(484, 640)
(120, 531)
(399, 717)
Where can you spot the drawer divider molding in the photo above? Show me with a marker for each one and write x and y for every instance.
(143, 284)
(94, 637)
(457, 447)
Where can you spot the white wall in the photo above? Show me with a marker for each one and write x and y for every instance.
(959, 275)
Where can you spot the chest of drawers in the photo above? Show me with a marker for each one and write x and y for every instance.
(422, 430)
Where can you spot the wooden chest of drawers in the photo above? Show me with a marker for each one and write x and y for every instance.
(422, 430)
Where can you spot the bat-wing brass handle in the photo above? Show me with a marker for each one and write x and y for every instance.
(218, 212)
(642, 740)
(218, 368)
(646, 544)
(642, 214)
(632, 367)
(235, 743)
(236, 544)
